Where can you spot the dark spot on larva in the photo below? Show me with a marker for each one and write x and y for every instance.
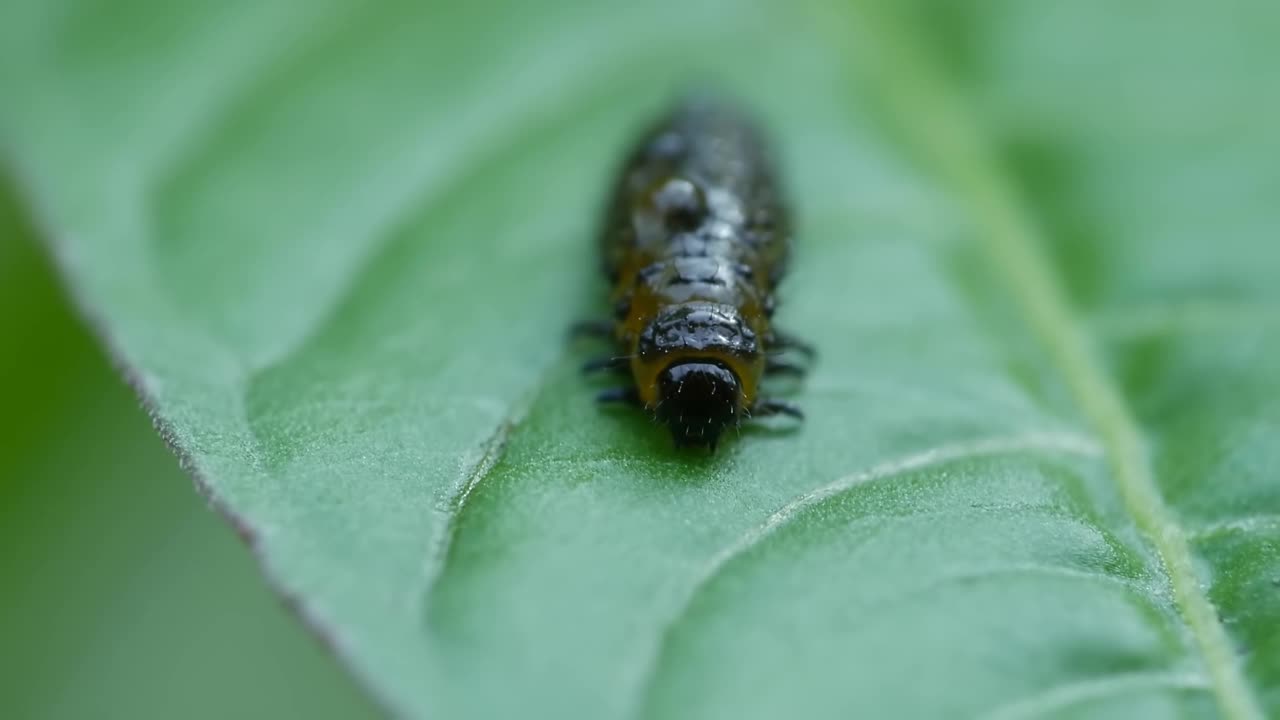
(681, 204)
(667, 146)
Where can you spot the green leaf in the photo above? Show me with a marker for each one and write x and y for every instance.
(337, 244)
(106, 554)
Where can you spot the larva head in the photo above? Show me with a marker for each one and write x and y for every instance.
(697, 401)
(696, 367)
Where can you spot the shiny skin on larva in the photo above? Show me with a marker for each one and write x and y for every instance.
(695, 241)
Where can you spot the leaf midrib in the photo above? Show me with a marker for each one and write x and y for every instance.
(936, 119)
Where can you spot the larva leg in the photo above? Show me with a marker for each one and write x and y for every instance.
(778, 366)
(785, 341)
(591, 328)
(626, 395)
(604, 363)
(772, 406)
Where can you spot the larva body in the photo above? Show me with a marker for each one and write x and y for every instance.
(695, 242)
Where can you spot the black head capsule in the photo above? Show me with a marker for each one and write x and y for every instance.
(697, 400)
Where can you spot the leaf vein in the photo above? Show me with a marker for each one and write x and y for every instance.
(491, 453)
(1060, 697)
(1257, 523)
(925, 459)
(939, 120)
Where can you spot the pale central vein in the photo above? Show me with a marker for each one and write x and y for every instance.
(936, 119)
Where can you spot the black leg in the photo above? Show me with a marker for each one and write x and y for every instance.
(777, 366)
(591, 328)
(604, 363)
(785, 341)
(626, 395)
(772, 406)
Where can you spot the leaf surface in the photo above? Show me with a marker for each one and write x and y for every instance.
(336, 246)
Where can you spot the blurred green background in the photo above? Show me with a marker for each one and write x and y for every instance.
(107, 551)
